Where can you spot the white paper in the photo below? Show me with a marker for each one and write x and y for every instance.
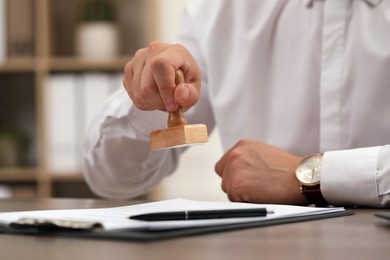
(118, 217)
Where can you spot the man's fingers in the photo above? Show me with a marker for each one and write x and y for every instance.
(164, 66)
(221, 164)
(186, 95)
(163, 73)
(150, 78)
(149, 89)
(219, 167)
(164, 76)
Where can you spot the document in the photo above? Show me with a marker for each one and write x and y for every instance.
(117, 218)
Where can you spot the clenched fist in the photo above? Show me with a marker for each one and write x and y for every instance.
(149, 78)
(255, 172)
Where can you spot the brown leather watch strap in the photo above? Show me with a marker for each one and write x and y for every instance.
(314, 195)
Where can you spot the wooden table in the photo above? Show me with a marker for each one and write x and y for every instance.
(361, 236)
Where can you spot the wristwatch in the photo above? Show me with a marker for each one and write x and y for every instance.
(308, 174)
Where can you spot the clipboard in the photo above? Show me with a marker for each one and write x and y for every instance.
(383, 215)
(92, 230)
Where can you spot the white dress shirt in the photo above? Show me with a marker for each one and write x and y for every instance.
(305, 76)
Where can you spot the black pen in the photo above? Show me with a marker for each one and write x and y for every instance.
(203, 214)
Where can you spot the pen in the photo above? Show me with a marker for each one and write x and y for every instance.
(203, 214)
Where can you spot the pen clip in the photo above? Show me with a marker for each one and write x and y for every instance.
(57, 224)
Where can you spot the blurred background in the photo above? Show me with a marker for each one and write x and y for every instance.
(59, 61)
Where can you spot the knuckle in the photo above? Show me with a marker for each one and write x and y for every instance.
(138, 99)
(142, 106)
(231, 197)
(217, 168)
(128, 70)
(243, 142)
(154, 44)
(223, 187)
(155, 47)
(234, 155)
(139, 53)
(159, 62)
(145, 90)
(179, 46)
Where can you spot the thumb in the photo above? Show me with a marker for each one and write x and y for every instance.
(186, 95)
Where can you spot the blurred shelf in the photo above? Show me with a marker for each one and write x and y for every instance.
(18, 174)
(75, 64)
(16, 65)
(66, 176)
(67, 64)
(25, 80)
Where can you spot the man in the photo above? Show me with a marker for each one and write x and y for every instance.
(282, 80)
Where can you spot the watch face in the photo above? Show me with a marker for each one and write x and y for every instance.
(309, 170)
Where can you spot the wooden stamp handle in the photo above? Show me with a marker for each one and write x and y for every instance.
(177, 118)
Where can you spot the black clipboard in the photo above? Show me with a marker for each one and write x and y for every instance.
(384, 215)
(144, 235)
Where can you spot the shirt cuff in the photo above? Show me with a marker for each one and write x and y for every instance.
(348, 177)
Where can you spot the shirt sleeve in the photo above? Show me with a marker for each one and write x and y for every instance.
(117, 161)
(357, 177)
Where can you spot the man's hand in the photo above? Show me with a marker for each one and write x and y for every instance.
(255, 172)
(149, 78)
